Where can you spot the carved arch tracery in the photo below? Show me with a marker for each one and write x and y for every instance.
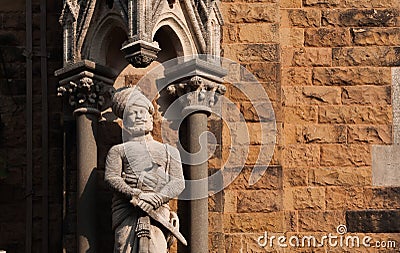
(196, 22)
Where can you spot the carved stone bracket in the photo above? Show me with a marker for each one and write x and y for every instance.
(140, 53)
(86, 86)
(196, 83)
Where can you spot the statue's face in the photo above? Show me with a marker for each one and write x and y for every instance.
(137, 120)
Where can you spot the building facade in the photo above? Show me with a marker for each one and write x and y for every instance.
(325, 157)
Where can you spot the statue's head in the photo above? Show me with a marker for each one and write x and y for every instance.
(135, 109)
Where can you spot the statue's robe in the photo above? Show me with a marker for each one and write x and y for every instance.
(149, 166)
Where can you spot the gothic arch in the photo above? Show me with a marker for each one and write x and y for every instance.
(180, 31)
(103, 48)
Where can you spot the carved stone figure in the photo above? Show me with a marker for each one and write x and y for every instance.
(144, 175)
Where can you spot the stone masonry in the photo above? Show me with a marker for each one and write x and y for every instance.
(326, 66)
(332, 98)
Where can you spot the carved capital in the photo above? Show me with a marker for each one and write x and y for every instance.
(85, 92)
(84, 85)
(197, 94)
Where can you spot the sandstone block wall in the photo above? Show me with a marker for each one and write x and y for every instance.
(331, 91)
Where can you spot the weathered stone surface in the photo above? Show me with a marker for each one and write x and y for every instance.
(377, 134)
(231, 113)
(355, 114)
(237, 94)
(376, 36)
(374, 221)
(322, 134)
(330, 3)
(385, 163)
(253, 222)
(250, 13)
(350, 3)
(300, 114)
(239, 179)
(264, 72)
(345, 198)
(229, 33)
(250, 1)
(310, 95)
(345, 155)
(369, 3)
(351, 76)
(252, 52)
(258, 111)
(248, 92)
(340, 176)
(292, 37)
(290, 3)
(261, 155)
(261, 133)
(296, 76)
(234, 156)
(371, 56)
(301, 156)
(260, 201)
(308, 198)
(302, 17)
(273, 93)
(360, 17)
(230, 201)
(258, 33)
(233, 243)
(291, 133)
(320, 221)
(382, 198)
(367, 95)
(327, 37)
(215, 202)
(291, 221)
(216, 242)
(295, 177)
(215, 221)
(307, 57)
(239, 133)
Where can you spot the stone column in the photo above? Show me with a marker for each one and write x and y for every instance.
(87, 89)
(198, 238)
(197, 84)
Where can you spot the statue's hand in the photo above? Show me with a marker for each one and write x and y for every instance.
(145, 206)
(151, 198)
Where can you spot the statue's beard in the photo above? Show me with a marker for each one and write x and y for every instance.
(139, 130)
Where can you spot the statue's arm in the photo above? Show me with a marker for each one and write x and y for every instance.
(113, 173)
(176, 183)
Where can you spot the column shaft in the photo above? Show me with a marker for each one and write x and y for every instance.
(86, 187)
(198, 241)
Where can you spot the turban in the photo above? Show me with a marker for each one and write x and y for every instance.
(128, 96)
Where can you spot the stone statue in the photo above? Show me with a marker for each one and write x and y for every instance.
(144, 175)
